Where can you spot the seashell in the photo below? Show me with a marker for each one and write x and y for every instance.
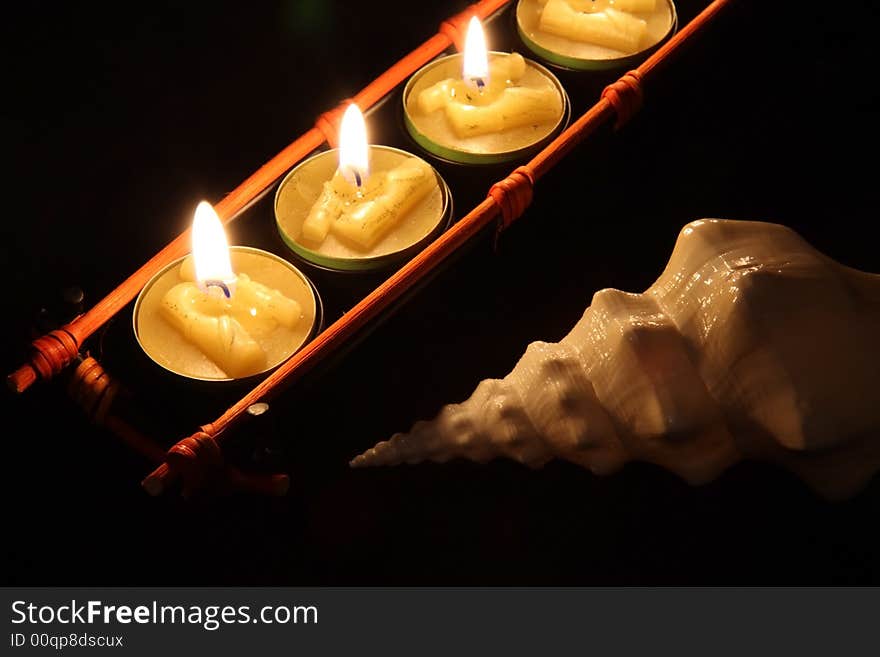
(751, 345)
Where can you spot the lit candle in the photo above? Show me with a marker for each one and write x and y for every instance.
(223, 313)
(480, 107)
(360, 206)
(594, 34)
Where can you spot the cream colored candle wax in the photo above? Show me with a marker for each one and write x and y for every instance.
(359, 206)
(189, 326)
(587, 34)
(482, 107)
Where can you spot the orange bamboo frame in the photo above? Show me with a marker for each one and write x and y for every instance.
(507, 199)
(96, 392)
(53, 352)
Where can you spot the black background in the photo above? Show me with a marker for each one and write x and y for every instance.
(117, 123)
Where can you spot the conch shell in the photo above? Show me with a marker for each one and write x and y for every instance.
(750, 345)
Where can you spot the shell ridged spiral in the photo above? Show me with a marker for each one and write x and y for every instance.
(751, 345)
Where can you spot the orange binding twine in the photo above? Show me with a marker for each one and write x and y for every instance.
(328, 123)
(455, 28)
(512, 195)
(625, 96)
(53, 352)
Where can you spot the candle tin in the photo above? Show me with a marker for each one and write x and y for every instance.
(566, 54)
(295, 284)
(301, 187)
(434, 72)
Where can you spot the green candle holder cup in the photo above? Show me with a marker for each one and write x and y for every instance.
(512, 147)
(301, 187)
(176, 364)
(567, 55)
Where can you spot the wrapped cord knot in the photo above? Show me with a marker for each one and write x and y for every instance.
(53, 352)
(196, 460)
(328, 122)
(455, 28)
(93, 389)
(513, 195)
(626, 97)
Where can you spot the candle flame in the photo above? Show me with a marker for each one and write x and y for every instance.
(210, 250)
(476, 56)
(354, 161)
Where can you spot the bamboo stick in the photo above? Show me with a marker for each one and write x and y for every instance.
(54, 352)
(507, 198)
(98, 394)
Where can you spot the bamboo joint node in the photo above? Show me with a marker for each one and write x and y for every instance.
(625, 96)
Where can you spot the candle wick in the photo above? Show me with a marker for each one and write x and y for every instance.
(351, 172)
(223, 286)
(480, 84)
